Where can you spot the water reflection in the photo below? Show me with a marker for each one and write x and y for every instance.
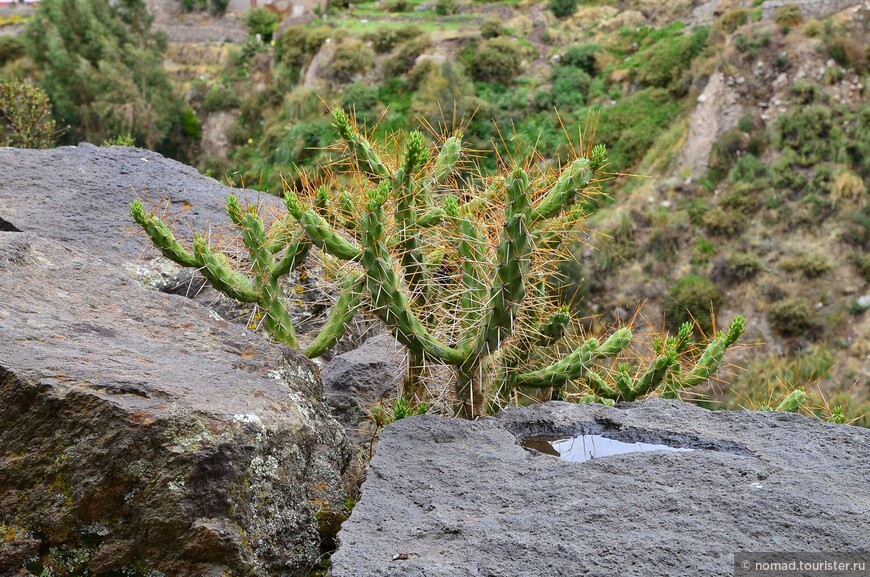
(587, 447)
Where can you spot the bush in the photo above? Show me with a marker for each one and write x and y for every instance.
(497, 60)
(362, 100)
(491, 29)
(350, 59)
(386, 38)
(582, 57)
(665, 63)
(811, 265)
(405, 56)
(790, 317)
(732, 19)
(220, 97)
(692, 299)
(848, 54)
(743, 266)
(724, 222)
(563, 8)
(807, 131)
(787, 16)
(569, 89)
(747, 169)
(263, 22)
(25, 116)
(11, 48)
(445, 7)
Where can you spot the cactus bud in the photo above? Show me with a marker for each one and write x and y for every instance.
(234, 210)
(293, 205)
(793, 402)
(598, 158)
(451, 206)
(378, 196)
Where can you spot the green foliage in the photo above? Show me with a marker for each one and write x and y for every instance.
(102, 69)
(724, 222)
(743, 266)
(732, 19)
(120, 140)
(489, 29)
(351, 58)
(445, 7)
(361, 100)
(220, 97)
(633, 124)
(787, 16)
(812, 265)
(11, 48)
(581, 56)
(25, 116)
(665, 63)
(807, 132)
(848, 53)
(692, 299)
(563, 8)
(401, 408)
(749, 169)
(790, 316)
(569, 90)
(497, 60)
(262, 21)
(402, 59)
(386, 38)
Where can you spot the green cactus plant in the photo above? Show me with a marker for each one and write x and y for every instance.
(273, 254)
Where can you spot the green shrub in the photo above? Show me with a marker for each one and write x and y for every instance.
(722, 222)
(11, 48)
(732, 19)
(568, 91)
(362, 100)
(748, 169)
(848, 53)
(806, 131)
(491, 28)
(812, 265)
(120, 140)
(743, 197)
(787, 16)
(862, 262)
(446, 7)
(350, 59)
(386, 38)
(298, 44)
(497, 60)
(581, 56)
(218, 7)
(790, 317)
(563, 8)
(664, 64)
(25, 116)
(190, 125)
(692, 299)
(632, 125)
(262, 21)
(405, 56)
(743, 266)
(784, 173)
(220, 97)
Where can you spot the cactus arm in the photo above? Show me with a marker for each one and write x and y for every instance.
(575, 364)
(554, 328)
(577, 176)
(514, 262)
(445, 164)
(277, 320)
(342, 313)
(653, 376)
(793, 402)
(599, 387)
(431, 218)
(254, 238)
(366, 157)
(161, 235)
(294, 255)
(471, 249)
(318, 230)
(215, 266)
(408, 244)
(281, 234)
(391, 305)
(712, 356)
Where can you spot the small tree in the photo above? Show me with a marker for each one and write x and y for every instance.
(25, 116)
(563, 8)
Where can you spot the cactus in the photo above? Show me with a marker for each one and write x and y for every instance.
(262, 284)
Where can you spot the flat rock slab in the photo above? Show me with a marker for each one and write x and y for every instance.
(81, 195)
(455, 498)
(139, 432)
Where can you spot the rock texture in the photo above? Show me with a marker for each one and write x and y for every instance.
(140, 434)
(81, 195)
(358, 379)
(454, 498)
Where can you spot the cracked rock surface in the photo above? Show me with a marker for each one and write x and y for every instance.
(454, 498)
(139, 432)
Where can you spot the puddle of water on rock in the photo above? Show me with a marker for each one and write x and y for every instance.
(587, 447)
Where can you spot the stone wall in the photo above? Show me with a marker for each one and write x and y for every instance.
(814, 8)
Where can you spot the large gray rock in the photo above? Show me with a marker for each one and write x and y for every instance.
(140, 432)
(81, 195)
(455, 498)
(358, 379)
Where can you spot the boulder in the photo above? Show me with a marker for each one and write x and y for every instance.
(81, 195)
(355, 380)
(141, 434)
(455, 498)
